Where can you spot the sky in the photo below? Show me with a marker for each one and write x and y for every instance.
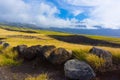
(63, 13)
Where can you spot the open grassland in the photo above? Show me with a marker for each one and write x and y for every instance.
(111, 39)
(40, 37)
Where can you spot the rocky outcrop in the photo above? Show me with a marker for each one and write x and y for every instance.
(31, 53)
(28, 53)
(107, 56)
(47, 50)
(78, 70)
(74, 69)
(59, 56)
(5, 45)
(20, 49)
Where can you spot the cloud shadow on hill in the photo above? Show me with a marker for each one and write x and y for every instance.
(79, 39)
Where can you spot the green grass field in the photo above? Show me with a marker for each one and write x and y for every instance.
(40, 37)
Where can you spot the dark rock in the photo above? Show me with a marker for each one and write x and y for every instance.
(20, 49)
(31, 53)
(5, 45)
(59, 56)
(78, 70)
(47, 49)
(42, 55)
(106, 55)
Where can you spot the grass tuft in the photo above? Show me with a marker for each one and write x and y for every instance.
(43, 76)
(80, 54)
(94, 61)
(8, 57)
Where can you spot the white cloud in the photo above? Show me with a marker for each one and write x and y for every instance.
(83, 2)
(77, 12)
(10, 10)
(41, 13)
(105, 13)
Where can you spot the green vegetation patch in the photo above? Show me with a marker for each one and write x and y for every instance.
(94, 61)
(8, 57)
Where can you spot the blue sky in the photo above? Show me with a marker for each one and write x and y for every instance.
(62, 13)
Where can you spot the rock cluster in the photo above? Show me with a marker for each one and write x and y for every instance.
(73, 68)
(50, 53)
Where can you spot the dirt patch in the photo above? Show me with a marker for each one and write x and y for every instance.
(113, 75)
(23, 71)
(77, 39)
(54, 72)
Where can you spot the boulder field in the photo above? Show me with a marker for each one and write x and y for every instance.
(73, 69)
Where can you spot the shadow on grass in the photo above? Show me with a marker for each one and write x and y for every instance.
(78, 39)
(2, 38)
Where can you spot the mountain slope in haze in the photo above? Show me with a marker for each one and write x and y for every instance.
(100, 31)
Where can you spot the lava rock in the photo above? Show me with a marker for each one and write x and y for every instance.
(47, 49)
(78, 70)
(20, 49)
(31, 53)
(59, 56)
(106, 55)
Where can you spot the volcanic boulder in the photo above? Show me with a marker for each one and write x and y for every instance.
(59, 56)
(106, 55)
(78, 70)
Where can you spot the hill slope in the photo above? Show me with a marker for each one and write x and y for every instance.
(16, 36)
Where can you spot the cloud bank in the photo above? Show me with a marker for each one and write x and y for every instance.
(45, 13)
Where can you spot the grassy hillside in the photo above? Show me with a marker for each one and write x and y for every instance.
(111, 39)
(16, 36)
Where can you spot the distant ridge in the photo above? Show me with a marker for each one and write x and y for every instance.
(101, 32)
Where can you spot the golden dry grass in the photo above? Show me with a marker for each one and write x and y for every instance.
(43, 76)
(46, 40)
(8, 57)
(93, 60)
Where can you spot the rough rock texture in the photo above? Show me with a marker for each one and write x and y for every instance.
(78, 70)
(44, 53)
(30, 53)
(59, 56)
(20, 49)
(107, 56)
(47, 49)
